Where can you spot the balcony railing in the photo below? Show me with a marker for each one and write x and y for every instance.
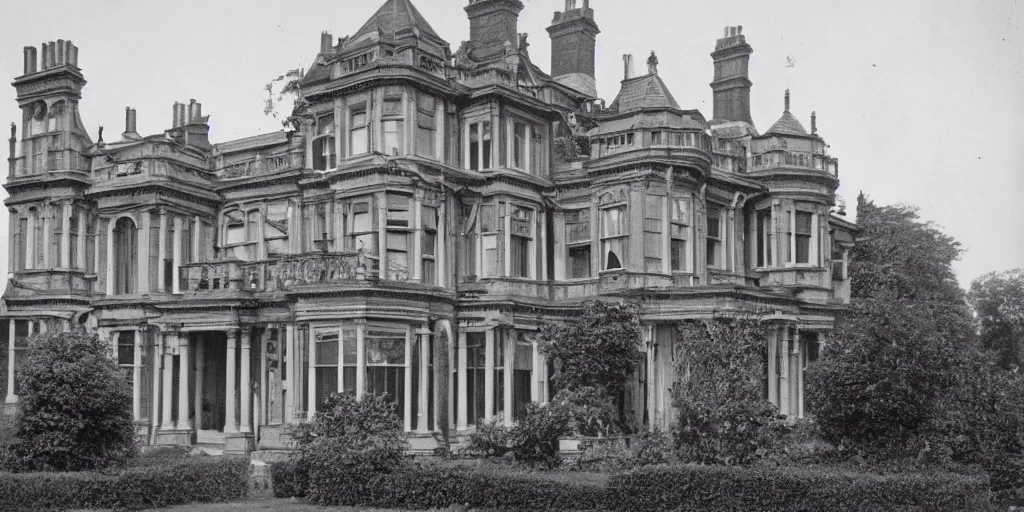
(55, 160)
(255, 167)
(277, 274)
(776, 159)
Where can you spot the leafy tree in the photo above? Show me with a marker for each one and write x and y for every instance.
(75, 407)
(998, 300)
(723, 417)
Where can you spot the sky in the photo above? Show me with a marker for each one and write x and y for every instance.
(922, 101)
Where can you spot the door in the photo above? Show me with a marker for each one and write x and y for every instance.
(214, 382)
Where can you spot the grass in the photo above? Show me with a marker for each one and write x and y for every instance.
(284, 505)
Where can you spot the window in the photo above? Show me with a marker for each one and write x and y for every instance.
(426, 126)
(577, 240)
(613, 237)
(324, 154)
(393, 126)
(325, 365)
(125, 256)
(804, 236)
(21, 243)
(399, 232)
(498, 398)
(320, 225)
(429, 240)
(168, 261)
(475, 367)
(73, 237)
(385, 365)
(656, 138)
(679, 231)
(489, 240)
(348, 360)
(537, 154)
(521, 242)
(126, 354)
(652, 234)
(252, 235)
(479, 146)
(358, 142)
(363, 235)
(838, 264)
(764, 239)
(714, 238)
(520, 133)
(522, 376)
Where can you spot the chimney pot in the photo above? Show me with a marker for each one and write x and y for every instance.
(814, 123)
(74, 54)
(51, 54)
(30, 60)
(739, 30)
(726, 32)
(42, 57)
(325, 42)
(60, 52)
(787, 100)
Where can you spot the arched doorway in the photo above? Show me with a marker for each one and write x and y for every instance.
(125, 245)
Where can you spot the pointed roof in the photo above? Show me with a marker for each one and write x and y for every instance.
(788, 124)
(393, 16)
(642, 92)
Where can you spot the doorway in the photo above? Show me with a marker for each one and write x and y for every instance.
(213, 382)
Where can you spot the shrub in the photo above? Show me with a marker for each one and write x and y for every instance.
(646, 448)
(534, 439)
(591, 413)
(723, 417)
(491, 439)
(193, 480)
(1006, 473)
(290, 478)
(75, 407)
(798, 489)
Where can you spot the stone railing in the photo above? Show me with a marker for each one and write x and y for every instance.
(254, 167)
(778, 158)
(276, 274)
(55, 160)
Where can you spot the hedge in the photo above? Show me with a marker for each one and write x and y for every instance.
(193, 480)
(690, 487)
(1007, 477)
(290, 479)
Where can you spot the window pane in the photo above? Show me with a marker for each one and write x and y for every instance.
(613, 253)
(678, 254)
(579, 262)
(803, 223)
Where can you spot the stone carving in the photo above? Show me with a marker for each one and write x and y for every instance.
(318, 268)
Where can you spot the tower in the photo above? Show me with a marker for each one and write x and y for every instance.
(573, 42)
(493, 22)
(731, 85)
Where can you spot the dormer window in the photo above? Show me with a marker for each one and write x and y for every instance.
(325, 156)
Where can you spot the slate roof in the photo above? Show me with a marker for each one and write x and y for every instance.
(395, 15)
(788, 124)
(647, 91)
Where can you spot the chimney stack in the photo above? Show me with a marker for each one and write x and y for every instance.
(14, 141)
(31, 61)
(731, 85)
(73, 59)
(814, 123)
(573, 36)
(51, 55)
(130, 128)
(627, 61)
(43, 65)
(787, 100)
(325, 42)
(60, 52)
(493, 22)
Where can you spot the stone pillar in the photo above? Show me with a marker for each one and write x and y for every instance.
(652, 412)
(168, 373)
(200, 376)
(773, 389)
(407, 399)
(154, 405)
(11, 397)
(784, 398)
(30, 242)
(417, 237)
(65, 235)
(799, 360)
(424, 384)
(264, 402)
(143, 253)
(509, 342)
(543, 246)
(82, 234)
(137, 376)
(47, 264)
(382, 251)
(360, 359)
(230, 421)
(311, 379)
(109, 277)
(245, 389)
(463, 400)
(288, 362)
(161, 272)
(197, 237)
(441, 253)
(488, 375)
(176, 255)
(535, 380)
(185, 367)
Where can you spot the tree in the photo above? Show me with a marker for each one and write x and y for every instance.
(897, 349)
(723, 416)
(998, 300)
(75, 407)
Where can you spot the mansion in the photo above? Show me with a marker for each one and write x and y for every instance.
(421, 214)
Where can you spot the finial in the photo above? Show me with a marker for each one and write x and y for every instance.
(101, 135)
(652, 64)
(14, 131)
(787, 100)
(814, 122)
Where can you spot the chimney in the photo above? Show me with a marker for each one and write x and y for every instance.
(731, 85)
(191, 110)
(787, 100)
(60, 52)
(492, 22)
(573, 47)
(43, 65)
(51, 55)
(130, 129)
(31, 60)
(73, 59)
(325, 42)
(179, 115)
(814, 123)
(627, 62)
(14, 142)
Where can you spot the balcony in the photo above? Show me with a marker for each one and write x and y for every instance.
(277, 275)
(54, 160)
(791, 159)
(258, 167)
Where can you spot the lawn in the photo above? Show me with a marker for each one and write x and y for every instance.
(285, 505)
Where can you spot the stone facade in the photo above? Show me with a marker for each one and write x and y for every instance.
(424, 211)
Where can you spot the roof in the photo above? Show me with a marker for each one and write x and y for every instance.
(393, 16)
(647, 91)
(255, 141)
(787, 125)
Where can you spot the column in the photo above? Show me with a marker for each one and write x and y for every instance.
(773, 388)
(465, 146)
(424, 384)
(799, 360)
(245, 387)
(176, 255)
(509, 341)
(463, 397)
(137, 376)
(197, 238)
(11, 397)
(29, 240)
(154, 404)
(161, 272)
(543, 245)
(528, 163)
(168, 373)
(407, 403)
(784, 371)
(504, 257)
(264, 402)
(651, 376)
(46, 237)
(559, 245)
(82, 234)
(65, 235)
(417, 237)
(200, 376)
(382, 251)
(184, 368)
(143, 253)
(495, 139)
(289, 357)
(441, 253)
(488, 374)
(535, 385)
(360, 359)
(230, 422)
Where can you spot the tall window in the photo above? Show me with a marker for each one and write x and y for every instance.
(498, 398)
(517, 152)
(73, 236)
(363, 236)
(393, 125)
(426, 126)
(804, 236)
(714, 237)
(348, 360)
(429, 240)
(324, 155)
(480, 145)
(126, 354)
(652, 234)
(125, 256)
(325, 365)
(613, 237)
(359, 128)
(21, 243)
(252, 234)
(489, 240)
(168, 261)
(764, 238)
(399, 232)
(521, 241)
(321, 232)
(523, 374)
(679, 234)
(577, 241)
(385, 365)
(475, 369)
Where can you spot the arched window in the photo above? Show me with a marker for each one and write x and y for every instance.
(324, 155)
(125, 256)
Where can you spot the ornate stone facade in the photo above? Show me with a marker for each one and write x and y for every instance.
(425, 211)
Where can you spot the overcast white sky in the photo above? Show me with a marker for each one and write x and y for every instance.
(921, 100)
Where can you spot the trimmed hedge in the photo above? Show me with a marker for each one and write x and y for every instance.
(196, 480)
(1007, 475)
(290, 479)
(690, 487)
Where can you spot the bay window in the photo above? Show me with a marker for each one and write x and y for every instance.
(521, 242)
(429, 241)
(577, 241)
(363, 236)
(325, 364)
(614, 237)
(324, 154)
(714, 237)
(385, 364)
(652, 234)
(764, 238)
(426, 126)
(359, 128)
(679, 234)
(393, 126)
(804, 236)
(398, 235)
(479, 153)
